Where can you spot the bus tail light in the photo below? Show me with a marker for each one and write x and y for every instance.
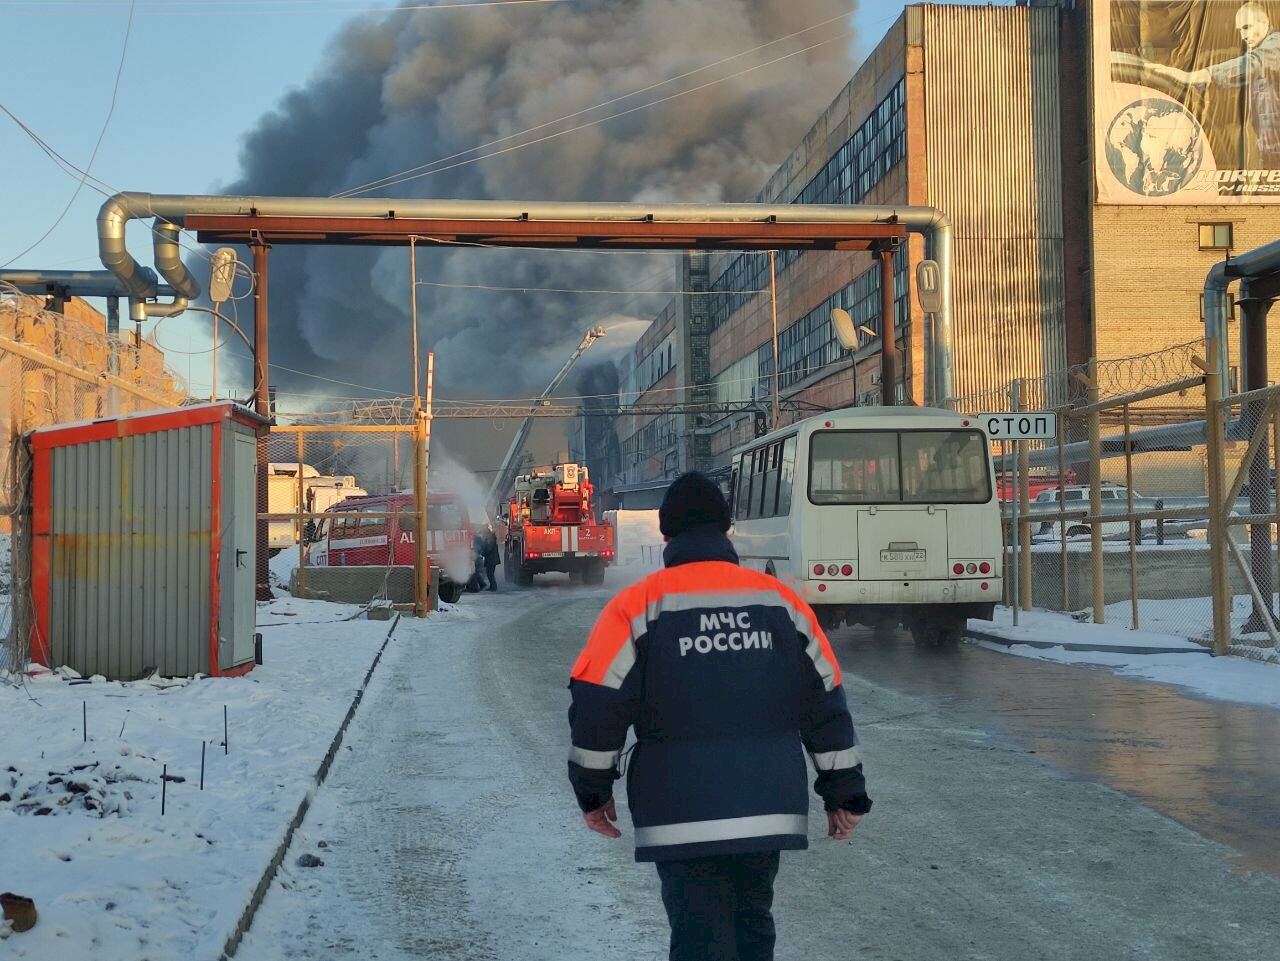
(958, 569)
(971, 568)
(847, 570)
(818, 570)
(984, 567)
(832, 570)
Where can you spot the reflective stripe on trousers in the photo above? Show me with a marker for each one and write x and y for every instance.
(723, 829)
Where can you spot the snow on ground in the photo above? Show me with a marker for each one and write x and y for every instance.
(80, 824)
(282, 567)
(638, 536)
(6, 609)
(1235, 679)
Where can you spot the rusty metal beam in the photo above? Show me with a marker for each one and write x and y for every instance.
(567, 234)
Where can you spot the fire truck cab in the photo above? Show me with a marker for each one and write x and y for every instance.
(348, 538)
(551, 526)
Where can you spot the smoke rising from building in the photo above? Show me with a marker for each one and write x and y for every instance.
(403, 89)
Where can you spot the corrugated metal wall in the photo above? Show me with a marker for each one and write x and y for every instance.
(995, 165)
(129, 571)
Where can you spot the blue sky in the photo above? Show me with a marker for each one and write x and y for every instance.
(194, 80)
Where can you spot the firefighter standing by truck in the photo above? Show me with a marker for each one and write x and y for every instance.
(727, 679)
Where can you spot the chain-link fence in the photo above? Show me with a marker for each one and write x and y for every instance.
(1118, 514)
(57, 369)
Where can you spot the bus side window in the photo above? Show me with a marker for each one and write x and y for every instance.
(787, 476)
(770, 459)
(744, 486)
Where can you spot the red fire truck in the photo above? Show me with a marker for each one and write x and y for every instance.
(551, 526)
(346, 538)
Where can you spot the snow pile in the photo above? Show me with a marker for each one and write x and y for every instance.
(1236, 679)
(281, 568)
(100, 785)
(639, 539)
(81, 830)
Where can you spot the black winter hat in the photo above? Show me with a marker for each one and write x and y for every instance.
(692, 501)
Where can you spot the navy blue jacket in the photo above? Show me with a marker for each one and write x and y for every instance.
(728, 681)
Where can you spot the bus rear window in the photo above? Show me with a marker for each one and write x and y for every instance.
(891, 467)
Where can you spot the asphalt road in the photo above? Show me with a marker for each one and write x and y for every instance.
(450, 830)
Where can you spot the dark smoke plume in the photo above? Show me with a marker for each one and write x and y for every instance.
(403, 89)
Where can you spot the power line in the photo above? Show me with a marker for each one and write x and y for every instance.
(80, 8)
(393, 179)
(115, 93)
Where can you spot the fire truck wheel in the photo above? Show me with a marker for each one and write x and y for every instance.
(450, 592)
(593, 575)
(524, 578)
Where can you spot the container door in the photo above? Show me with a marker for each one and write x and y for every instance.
(240, 541)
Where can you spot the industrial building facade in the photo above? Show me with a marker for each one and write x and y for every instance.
(996, 116)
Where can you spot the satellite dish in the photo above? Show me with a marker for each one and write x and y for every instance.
(222, 274)
(846, 331)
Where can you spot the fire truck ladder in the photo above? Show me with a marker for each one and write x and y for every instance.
(506, 476)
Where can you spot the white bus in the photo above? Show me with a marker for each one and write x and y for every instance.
(881, 516)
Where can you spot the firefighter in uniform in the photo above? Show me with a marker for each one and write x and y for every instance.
(728, 681)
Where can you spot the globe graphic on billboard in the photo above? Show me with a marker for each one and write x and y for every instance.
(1154, 147)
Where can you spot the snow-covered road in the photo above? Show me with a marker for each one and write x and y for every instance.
(449, 831)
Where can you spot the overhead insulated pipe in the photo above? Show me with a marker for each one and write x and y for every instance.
(1253, 263)
(78, 283)
(169, 264)
(172, 209)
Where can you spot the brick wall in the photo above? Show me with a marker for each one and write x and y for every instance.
(1149, 272)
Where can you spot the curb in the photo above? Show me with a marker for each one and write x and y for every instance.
(1077, 646)
(268, 875)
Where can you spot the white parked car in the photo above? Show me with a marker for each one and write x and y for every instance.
(1115, 500)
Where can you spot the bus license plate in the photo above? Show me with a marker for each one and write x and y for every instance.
(910, 557)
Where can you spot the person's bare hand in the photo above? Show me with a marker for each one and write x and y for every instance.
(601, 820)
(840, 824)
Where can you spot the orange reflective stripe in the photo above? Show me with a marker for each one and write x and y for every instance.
(605, 656)
(817, 633)
(610, 635)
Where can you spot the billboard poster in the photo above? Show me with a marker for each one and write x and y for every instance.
(1187, 101)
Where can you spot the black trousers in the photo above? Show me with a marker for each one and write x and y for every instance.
(489, 570)
(720, 907)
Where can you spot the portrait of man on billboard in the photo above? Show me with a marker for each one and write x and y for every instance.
(1218, 59)
(1256, 71)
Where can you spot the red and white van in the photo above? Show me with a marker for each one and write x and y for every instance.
(347, 538)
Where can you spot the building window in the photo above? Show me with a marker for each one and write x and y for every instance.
(875, 148)
(810, 343)
(1228, 306)
(1216, 237)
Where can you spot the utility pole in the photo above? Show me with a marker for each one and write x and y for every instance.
(888, 329)
(421, 438)
(773, 304)
(262, 405)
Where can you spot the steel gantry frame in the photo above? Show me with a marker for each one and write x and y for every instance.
(262, 222)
